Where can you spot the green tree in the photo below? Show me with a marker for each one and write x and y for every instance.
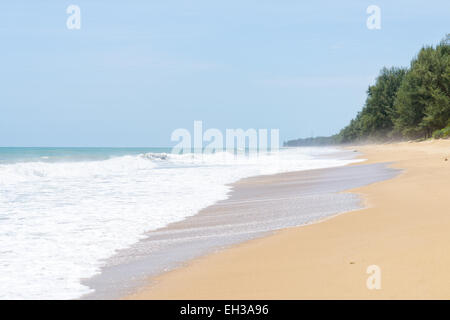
(423, 100)
(412, 103)
(379, 114)
(376, 119)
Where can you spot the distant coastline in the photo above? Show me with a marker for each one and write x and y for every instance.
(403, 104)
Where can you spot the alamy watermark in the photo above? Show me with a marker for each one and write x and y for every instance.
(73, 22)
(212, 140)
(374, 20)
(373, 282)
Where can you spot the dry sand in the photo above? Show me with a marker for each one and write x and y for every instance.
(405, 231)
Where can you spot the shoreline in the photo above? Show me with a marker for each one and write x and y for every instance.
(328, 260)
(256, 207)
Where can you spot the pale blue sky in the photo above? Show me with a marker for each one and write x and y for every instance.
(137, 70)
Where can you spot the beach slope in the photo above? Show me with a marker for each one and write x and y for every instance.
(405, 231)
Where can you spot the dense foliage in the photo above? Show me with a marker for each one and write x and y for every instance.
(411, 103)
(312, 141)
(403, 103)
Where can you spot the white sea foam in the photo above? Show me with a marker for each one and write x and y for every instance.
(59, 221)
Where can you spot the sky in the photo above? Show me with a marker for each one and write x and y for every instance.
(137, 70)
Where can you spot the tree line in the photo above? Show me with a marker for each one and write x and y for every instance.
(404, 103)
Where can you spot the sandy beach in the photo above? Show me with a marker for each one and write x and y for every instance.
(404, 230)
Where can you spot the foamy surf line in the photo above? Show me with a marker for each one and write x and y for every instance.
(257, 206)
(74, 214)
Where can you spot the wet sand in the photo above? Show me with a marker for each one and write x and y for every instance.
(404, 230)
(256, 207)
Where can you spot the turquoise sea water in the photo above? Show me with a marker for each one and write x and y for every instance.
(18, 154)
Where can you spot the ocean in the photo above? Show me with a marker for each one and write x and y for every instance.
(64, 211)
